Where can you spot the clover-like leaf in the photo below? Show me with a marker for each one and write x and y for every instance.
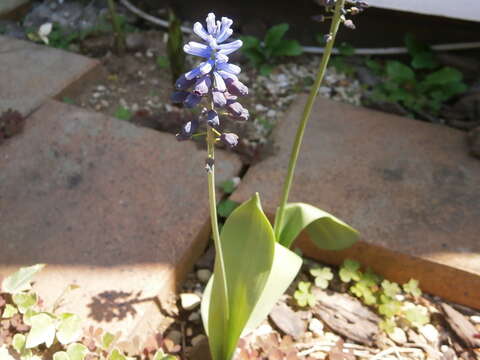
(388, 325)
(24, 301)
(107, 340)
(42, 331)
(362, 290)
(304, 295)
(18, 342)
(69, 329)
(322, 276)
(21, 280)
(349, 271)
(77, 351)
(389, 307)
(411, 287)
(390, 288)
(60, 355)
(417, 315)
(9, 311)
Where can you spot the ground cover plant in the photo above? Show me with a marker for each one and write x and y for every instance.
(253, 265)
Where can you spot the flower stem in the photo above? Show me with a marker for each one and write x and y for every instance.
(213, 208)
(306, 115)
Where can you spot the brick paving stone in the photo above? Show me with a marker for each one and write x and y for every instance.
(7, 7)
(119, 210)
(409, 187)
(30, 73)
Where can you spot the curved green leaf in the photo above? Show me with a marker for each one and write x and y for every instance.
(274, 36)
(42, 331)
(326, 231)
(77, 351)
(286, 265)
(70, 328)
(20, 281)
(247, 245)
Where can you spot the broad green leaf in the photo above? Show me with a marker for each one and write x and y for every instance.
(249, 42)
(24, 301)
(414, 46)
(5, 354)
(9, 311)
(42, 331)
(28, 315)
(399, 72)
(20, 281)
(326, 231)
(60, 355)
(18, 342)
(443, 76)
(77, 351)
(424, 60)
(117, 355)
(288, 48)
(274, 35)
(248, 246)
(286, 265)
(70, 328)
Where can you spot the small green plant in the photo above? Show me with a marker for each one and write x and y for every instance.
(264, 55)
(383, 296)
(340, 61)
(162, 62)
(304, 296)
(39, 332)
(226, 207)
(322, 276)
(421, 86)
(123, 113)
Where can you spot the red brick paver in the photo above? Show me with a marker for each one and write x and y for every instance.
(119, 210)
(30, 74)
(409, 187)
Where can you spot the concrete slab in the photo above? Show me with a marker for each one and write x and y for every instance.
(30, 73)
(119, 210)
(409, 187)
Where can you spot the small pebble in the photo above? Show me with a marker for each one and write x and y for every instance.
(475, 319)
(175, 336)
(316, 326)
(101, 88)
(189, 332)
(430, 333)
(398, 335)
(194, 317)
(204, 275)
(197, 339)
(189, 301)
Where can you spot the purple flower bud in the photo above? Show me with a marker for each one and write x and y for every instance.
(229, 139)
(183, 83)
(212, 118)
(192, 100)
(179, 96)
(349, 24)
(202, 86)
(237, 110)
(319, 18)
(188, 130)
(219, 99)
(236, 87)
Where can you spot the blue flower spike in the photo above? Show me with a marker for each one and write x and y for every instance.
(214, 80)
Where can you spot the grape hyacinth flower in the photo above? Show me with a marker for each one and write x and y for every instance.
(214, 81)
